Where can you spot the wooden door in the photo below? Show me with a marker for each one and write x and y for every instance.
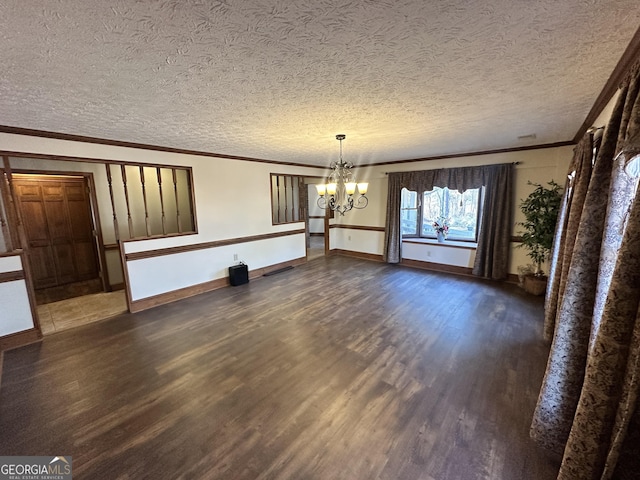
(56, 212)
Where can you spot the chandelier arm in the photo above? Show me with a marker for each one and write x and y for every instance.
(322, 202)
(362, 202)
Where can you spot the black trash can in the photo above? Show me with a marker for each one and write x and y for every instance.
(238, 274)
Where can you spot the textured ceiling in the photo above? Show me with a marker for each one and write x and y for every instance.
(277, 79)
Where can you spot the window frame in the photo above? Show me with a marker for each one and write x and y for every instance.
(289, 205)
(417, 208)
(420, 216)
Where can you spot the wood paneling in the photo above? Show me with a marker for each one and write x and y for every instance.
(436, 267)
(358, 227)
(404, 375)
(450, 244)
(201, 246)
(19, 339)
(475, 154)
(11, 276)
(118, 143)
(351, 253)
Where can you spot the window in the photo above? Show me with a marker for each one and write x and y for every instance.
(151, 201)
(286, 206)
(461, 210)
(409, 213)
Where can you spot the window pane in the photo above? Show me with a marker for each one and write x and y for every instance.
(459, 209)
(409, 199)
(409, 222)
(409, 212)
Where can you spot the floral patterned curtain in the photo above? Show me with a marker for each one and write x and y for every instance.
(586, 410)
(575, 191)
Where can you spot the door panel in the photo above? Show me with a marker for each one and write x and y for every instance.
(34, 216)
(58, 223)
(81, 231)
(43, 268)
(86, 262)
(36, 229)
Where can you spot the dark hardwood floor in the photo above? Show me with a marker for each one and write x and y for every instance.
(337, 369)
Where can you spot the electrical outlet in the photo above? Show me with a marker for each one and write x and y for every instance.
(428, 253)
(235, 257)
(349, 238)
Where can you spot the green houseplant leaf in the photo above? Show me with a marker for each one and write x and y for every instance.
(540, 211)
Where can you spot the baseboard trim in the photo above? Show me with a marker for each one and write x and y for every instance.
(20, 339)
(182, 293)
(352, 253)
(117, 286)
(437, 267)
(174, 295)
(260, 272)
(513, 278)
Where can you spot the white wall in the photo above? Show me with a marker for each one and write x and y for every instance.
(153, 276)
(358, 240)
(538, 166)
(15, 312)
(439, 253)
(232, 200)
(316, 225)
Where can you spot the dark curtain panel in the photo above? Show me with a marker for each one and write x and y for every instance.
(494, 236)
(587, 408)
(492, 254)
(575, 191)
(392, 233)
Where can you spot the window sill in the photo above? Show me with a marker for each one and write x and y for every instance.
(446, 243)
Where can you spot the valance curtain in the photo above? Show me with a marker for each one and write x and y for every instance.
(587, 407)
(492, 254)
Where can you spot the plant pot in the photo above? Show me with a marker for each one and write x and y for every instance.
(440, 236)
(535, 284)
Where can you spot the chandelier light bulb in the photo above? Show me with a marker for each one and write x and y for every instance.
(350, 188)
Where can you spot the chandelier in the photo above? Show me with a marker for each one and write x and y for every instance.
(338, 193)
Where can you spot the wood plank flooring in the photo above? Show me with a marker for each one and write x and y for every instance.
(337, 369)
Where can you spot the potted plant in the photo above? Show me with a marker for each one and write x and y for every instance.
(540, 211)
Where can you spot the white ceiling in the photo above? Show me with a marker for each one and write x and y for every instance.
(278, 79)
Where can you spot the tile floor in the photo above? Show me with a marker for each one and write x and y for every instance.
(316, 249)
(65, 314)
